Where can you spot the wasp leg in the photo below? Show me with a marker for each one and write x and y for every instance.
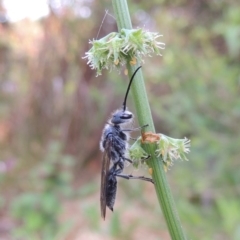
(128, 177)
(129, 160)
(135, 129)
(134, 139)
(143, 158)
(146, 158)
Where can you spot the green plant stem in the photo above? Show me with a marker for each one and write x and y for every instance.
(145, 117)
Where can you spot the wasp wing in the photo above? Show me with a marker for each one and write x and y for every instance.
(104, 177)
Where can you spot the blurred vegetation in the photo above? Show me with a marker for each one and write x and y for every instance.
(52, 110)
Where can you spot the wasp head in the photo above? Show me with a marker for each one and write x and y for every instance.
(121, 116)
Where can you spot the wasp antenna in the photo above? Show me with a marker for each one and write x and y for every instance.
(129, 85)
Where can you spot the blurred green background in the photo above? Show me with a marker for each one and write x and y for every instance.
(53, 109)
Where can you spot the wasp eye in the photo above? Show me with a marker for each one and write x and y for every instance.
(126, 116)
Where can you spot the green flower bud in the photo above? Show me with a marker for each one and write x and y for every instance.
(137, 154)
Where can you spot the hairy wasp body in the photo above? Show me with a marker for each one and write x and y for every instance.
(114, 144)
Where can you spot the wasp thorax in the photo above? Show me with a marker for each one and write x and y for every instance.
(121, 116)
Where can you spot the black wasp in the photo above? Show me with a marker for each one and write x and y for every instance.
(114, 144)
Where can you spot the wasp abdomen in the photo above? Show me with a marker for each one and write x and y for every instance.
(111, 189)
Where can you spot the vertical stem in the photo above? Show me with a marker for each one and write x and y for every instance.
(145, 117)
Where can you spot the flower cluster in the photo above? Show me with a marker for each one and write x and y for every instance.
(127, 46)
(169, 149)
(137, 154)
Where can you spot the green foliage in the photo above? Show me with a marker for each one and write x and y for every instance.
(115, 226)
(196, 94)
(229, 28)
(92, 215)
(38, 209)
(228, 210)
(38, 215)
